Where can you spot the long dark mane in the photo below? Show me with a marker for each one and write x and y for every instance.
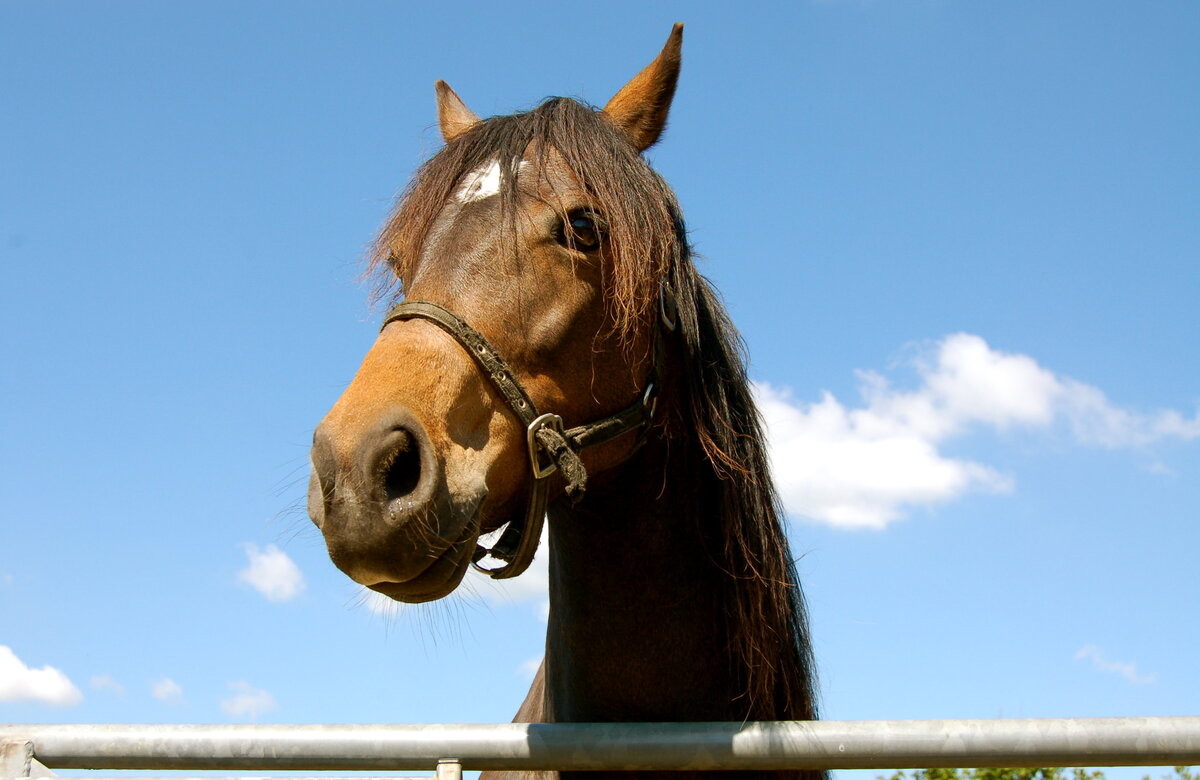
(710, 392)
(767, 624)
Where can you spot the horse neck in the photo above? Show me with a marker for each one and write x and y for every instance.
(637, 627)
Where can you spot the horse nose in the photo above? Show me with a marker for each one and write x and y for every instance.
(390, 466)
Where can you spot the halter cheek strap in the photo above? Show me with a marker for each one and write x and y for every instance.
(551, 447)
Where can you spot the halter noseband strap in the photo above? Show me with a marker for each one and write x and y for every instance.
(551, 447)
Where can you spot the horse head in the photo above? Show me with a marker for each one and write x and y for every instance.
(532, 252)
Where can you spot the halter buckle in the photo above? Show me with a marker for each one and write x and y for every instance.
(552, 421)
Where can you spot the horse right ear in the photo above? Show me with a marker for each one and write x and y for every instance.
(454, 117)
(640, 108)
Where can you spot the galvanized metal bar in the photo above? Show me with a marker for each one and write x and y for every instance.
(37, 775)
(624, 746)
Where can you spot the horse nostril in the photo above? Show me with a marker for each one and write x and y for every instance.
(402, 473)
(316, 500)
(324, 474)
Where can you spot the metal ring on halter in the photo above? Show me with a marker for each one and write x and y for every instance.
(552, 421)
(519, 541)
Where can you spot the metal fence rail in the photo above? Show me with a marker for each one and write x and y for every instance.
(29, 749)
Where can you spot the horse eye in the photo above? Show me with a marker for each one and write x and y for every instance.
(582, 232)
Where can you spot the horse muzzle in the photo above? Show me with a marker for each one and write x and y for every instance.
(380, 497)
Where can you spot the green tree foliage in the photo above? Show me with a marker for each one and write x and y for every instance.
(1181, 773)
(1040, 773)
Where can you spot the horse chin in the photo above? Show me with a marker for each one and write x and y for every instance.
(440, 578)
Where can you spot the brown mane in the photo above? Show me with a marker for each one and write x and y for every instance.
(766, 611)
(709, 393)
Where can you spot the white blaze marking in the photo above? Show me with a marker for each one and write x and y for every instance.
(483, 182)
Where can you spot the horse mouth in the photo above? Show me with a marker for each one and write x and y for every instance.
(439, 578)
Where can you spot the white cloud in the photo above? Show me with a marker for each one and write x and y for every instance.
(1095, 421)
(1103, 663)
(48, 685)
(167, 690)
(864, 467)
(532, 586)
(1158, 467)
(272, 573)
(247, 702)
(832, 465)
(102, 682)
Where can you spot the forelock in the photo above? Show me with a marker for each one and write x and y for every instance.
(645, 230)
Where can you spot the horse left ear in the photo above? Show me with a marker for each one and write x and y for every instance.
(640, 108)
(454, 117)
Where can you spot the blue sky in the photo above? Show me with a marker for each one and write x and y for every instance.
(962, 241)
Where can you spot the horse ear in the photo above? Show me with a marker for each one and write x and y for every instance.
(453, 115)
(640, 108)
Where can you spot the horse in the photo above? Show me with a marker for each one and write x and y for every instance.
(557, 356)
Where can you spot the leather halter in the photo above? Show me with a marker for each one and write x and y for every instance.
(551, 447)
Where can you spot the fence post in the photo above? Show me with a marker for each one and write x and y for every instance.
(449, 769)
(16, 758)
